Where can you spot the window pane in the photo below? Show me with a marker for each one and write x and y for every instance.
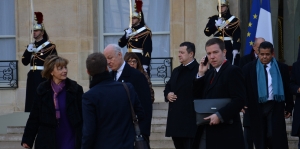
(8, 49)
(156, 13)
(7, 17)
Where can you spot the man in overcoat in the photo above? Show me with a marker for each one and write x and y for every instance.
(295, 89)
(222, 80)
(122, 72)
(268, 99)
(181, 122)
(107, 121)
(243, 61)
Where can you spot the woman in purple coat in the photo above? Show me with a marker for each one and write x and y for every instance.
(56, 117)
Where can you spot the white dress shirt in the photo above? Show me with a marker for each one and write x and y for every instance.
(270, 87)
(119, 71)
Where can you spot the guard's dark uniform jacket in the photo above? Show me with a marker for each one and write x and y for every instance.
(34, 77)
(140, 41)
(232, 30)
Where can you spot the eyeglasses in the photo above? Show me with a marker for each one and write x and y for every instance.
(132, 62)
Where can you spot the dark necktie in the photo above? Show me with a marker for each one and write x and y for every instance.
(115, 75)
(266, 75)
(214, 74)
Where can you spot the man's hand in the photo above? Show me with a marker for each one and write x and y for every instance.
(25, 145)
(214, 119)
(219, 22)
(287, 114)
(171, 97)
(244, 109)
(203, 68)
(30, 47)
(128, 32)
(235, 52)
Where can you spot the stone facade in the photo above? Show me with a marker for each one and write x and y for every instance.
(73, 26)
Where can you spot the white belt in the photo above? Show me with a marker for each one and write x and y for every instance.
(224, 38)
(135, 50)
(36, 67)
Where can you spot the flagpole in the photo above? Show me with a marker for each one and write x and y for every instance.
(31, 21)
(130, 14)
(220, 9)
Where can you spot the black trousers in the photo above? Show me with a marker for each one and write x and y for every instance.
(182, 142)
(248, 138)
(267, 123)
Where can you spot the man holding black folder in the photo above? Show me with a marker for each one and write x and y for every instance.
(223, 80)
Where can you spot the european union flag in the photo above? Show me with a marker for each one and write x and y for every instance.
(252, 26)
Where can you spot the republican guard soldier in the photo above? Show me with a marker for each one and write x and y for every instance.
(138, 37)
(35, 55)
(226, 27)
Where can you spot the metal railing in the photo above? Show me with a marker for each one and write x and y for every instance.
(160, 70)
(9, 74)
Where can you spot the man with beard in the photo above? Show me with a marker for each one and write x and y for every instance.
(138, 37)
(35, 54)
(226, 27)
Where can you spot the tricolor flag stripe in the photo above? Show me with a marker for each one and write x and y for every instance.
(264, 25)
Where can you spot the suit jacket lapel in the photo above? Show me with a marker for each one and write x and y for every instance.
(125, 73)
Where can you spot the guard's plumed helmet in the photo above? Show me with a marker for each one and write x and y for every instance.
(137, 11)
(225, 2)
(38, 24)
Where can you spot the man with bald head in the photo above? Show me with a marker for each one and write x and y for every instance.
(254, 53)
(246, 121)
(122, 72)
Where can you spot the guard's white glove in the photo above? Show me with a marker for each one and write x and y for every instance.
(145, 67)
(35, 50)
(235, 52)
(30, 47)
(219, 22)
(128, 32)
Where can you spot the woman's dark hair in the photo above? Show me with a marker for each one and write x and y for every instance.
(50, 62)
(130, 55)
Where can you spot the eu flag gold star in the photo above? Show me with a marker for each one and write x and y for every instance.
(250, 24)
(248, 34)
(251, 43)
(255, 16)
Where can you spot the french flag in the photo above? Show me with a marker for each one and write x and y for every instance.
(264, 25)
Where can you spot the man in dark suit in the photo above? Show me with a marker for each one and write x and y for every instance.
(223, 80)
(254, 53)
(181, 122)
(246, 121)
(107, 121)
(295, 89)
(122, 72)
(268, 99)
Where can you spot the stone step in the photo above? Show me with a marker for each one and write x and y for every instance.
(158, 128)
(160, 106)
(159, 136)
(160, 113)
(11, 145)
(15, 129)
(162, 144)
(159, 120)
(10, 137)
